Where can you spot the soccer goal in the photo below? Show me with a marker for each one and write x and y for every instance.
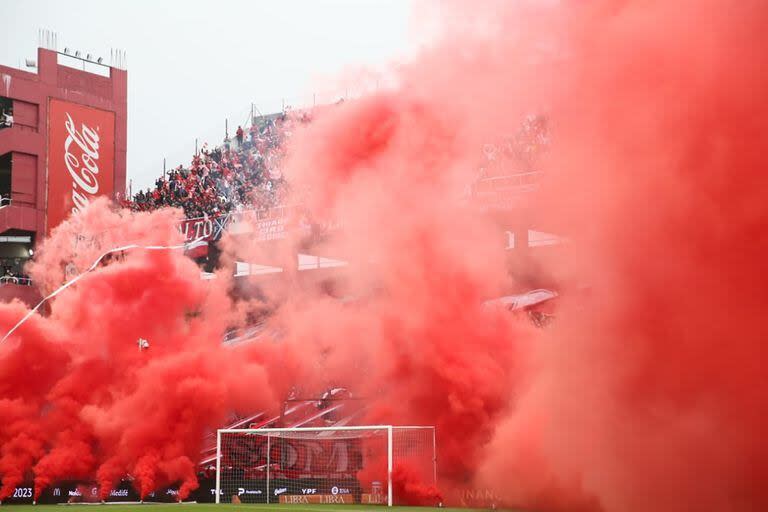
(360, 464)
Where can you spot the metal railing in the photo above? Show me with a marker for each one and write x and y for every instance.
(509, 182)
(21, 281)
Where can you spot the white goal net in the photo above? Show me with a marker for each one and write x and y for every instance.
(361, 464)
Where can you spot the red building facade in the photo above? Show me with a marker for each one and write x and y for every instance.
(62, 143)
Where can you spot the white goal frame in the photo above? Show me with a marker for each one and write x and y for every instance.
(266, 431)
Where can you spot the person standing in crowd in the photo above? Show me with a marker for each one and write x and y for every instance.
(7, 119)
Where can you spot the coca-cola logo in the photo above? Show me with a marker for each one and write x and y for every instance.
(83, 169)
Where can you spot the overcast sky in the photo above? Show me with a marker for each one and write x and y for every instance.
(191, 64)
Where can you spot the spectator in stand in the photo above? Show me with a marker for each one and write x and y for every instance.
(7, 119)
(225, 179)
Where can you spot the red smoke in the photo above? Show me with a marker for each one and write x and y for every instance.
(80, 400)
(651, 394)
(648, 392)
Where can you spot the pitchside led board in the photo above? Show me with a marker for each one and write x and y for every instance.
(81, 158)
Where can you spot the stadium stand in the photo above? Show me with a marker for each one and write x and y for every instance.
(242, 173)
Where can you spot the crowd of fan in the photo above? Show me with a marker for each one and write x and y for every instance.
(243, 173)
(520, 152)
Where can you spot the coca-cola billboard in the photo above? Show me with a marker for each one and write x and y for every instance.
(81, 158)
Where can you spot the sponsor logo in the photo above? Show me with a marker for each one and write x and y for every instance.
(94, 490)
(57, 491)
(172, 492)
(372, 499)
(294, 498)
(339, 490)
(85, 169)
(325, 498)
(119, 493)
(309, 491)
(241, 491)
(221, 492)
(81, 158)
(75, 493)
(315, 498)
(280, 490)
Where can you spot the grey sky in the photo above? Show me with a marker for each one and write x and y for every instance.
(191, 64)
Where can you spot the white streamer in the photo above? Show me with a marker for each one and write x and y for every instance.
(91, 268)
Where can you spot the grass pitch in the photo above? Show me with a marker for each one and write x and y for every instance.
(212, 507)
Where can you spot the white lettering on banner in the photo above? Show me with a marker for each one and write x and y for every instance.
(83, 170)
(22, 492)
(119, 493)
(280, 490)
(339, 458)
(273, 229)
(205, 228)
(295, 499)
(57, 491)
(309, 491)
(311, 449)
(75, 493)
(263, 226)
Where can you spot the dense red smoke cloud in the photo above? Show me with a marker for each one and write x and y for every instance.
(651, 393)
(80, 400)
(654, 175)
(648, 392)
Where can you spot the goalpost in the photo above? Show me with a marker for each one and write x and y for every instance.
(347, 464)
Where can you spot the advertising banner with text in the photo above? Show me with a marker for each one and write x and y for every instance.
(81, 158)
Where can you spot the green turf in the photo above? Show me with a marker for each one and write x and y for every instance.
(210, 507)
